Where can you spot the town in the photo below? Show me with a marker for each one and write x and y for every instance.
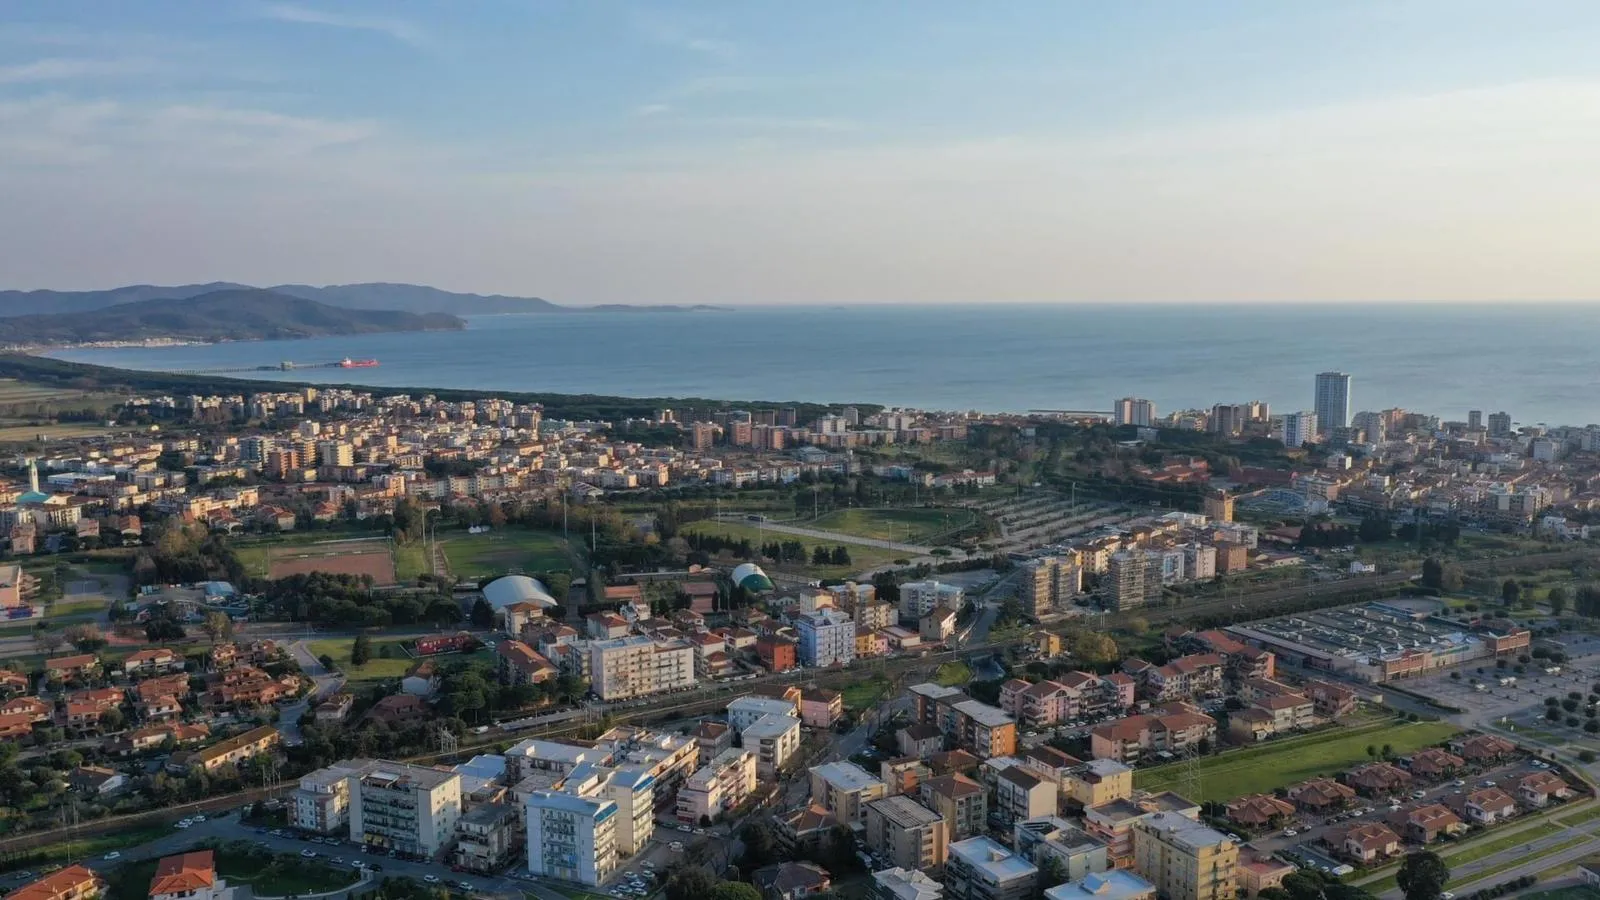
(316, 641)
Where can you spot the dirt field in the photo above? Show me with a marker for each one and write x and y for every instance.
(340, 558)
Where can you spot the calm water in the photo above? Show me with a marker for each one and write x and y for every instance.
(1537, 362)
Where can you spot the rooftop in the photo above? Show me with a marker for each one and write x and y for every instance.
(983, 854)
(904, 811)
(770, 726)
(844, 776)
(1117, 884)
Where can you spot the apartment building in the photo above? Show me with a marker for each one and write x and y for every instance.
(845, 789)
(719, 786)
(959, 800)
(774, 740)
(827, 638)
(918, 598)
(486, 838)
(978, 868)
(321, 804)
(1022, 794)
(906, 833)
(405, 808)
(1099, 781)
(745, 711)
(71, 883)
(899, 883)
(1049, 584)
(570, 837)
(1125, 584)
(638, 666)
(1184, 859)
(534, 755)
(1184, 677)
(1076, 694)
(984, 730)
(1052, 838)
(231, 751)
(1172, 730)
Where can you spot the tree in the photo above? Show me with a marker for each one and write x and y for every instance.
(1422, 876)
(1510, 592)
(1557, 598)
(482, 612)
(218, 626)
(758, 843)
(47, 641)
(111, 719)
(735, 890)
(1051, 873)
(1372, 750)
(327, 663)
(360, 651)
(690, 883)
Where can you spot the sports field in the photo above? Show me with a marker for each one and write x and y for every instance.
(1282, 763)
(906, 526)
(503, 550)
(377, 669)
(862, 557)
(374, 558)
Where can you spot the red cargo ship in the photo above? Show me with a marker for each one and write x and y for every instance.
(348, 363)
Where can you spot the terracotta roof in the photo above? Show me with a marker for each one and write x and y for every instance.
(184, 873)
(1547, 782)
(1490, 798)
(56, 885)
(956, 785)
(1372, 836)
(1433, 817)
(1258, 809)
(1283, 701)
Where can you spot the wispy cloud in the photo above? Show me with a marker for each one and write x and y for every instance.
(681, 36)
(67, 69)
(652, 109)
(400, 30)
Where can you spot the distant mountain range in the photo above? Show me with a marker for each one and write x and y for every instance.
(230, 314)
(376, 296)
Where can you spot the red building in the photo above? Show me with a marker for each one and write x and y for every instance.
(776, 653)
(446, 643)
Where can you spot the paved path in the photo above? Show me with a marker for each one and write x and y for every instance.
(837, 537)
(1466, 877)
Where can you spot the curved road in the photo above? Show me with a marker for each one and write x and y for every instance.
(837, 537)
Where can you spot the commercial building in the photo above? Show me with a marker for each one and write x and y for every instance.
(981, 869)
(774, 740)
(845, 789)
(906, 833)
(409, 809)
(638, 666)
(1184, 859)
(570, 837)
(718, 786)
(1332, 402)
(827, 638)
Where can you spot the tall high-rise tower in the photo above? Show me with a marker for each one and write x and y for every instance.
(1332, 404)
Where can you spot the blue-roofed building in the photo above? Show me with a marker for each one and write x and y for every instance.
(1116, 884)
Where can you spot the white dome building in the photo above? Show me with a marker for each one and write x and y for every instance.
(750, 577)
(502, 592)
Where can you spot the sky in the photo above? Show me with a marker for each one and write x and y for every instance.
(834, 152)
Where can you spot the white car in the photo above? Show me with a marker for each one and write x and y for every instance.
(112, 855)
(431, 879)
(1289, 832)
(198, 818)
(309, 854)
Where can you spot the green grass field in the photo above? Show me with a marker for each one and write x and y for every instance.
(1282, 763)
(503, 550)
(1575, 892)
(377, 669)
(907, 526)
(863, 694)
(1480, 849)
(410, 561)
(861, 557)
(1581, 816)
(953, 673)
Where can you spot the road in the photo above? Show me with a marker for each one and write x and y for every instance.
(326, 684)
(1465, 876)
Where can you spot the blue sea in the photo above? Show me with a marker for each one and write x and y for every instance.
(1538, 362)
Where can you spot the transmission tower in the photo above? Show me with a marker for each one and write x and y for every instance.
(1189, 774)
(448, 742)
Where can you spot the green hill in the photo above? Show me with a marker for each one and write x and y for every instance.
(231, 314)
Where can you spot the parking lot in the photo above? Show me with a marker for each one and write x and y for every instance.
(1492, 695)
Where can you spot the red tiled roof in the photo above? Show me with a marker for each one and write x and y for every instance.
(184, 873)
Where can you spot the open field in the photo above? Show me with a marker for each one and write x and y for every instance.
(1282, 763)
(410, 560)
(1575, 892)
(1481, 849)
(11, 433)
(378, 668)
(504, 550)
(862, 557)
(863, 694)
(374, 558)
(905, 526)
(952, 673)
(1581, 816)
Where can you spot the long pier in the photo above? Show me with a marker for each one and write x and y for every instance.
(285, 366)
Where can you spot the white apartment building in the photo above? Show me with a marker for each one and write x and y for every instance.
(1299, 428)
(1133, 411)
(408, 809)
(845, 789)
(918, 598)
(720, 785)
(774, 740)
(631, 787)
(1199, 562)
(637, 666)
(533, 755)
(743, 712)
(321, 804)
(570, 837)
(827, 637)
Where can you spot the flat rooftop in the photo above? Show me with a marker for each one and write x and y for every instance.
(984, 854)
(844, 776)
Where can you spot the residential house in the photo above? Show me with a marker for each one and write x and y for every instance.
(72, 883)
(1172, 730)
(1424, 824)
(1540, 788)
(1321, 795)
(1378, 779)
(1367, 843)
(81, 667)
(919, 740)
(791, 881)
(155, 661)
(96, 780)
(1332, 701)
(1260, 811)
(519, 664)
(1021, 794)
(820, 707)
(1489, 805)
(188, 876)
(231, 751)
(1483, 749)
(421, 680)
(1433, 764)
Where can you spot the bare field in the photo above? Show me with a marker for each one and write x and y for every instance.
(372, 558)
(64, 431)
